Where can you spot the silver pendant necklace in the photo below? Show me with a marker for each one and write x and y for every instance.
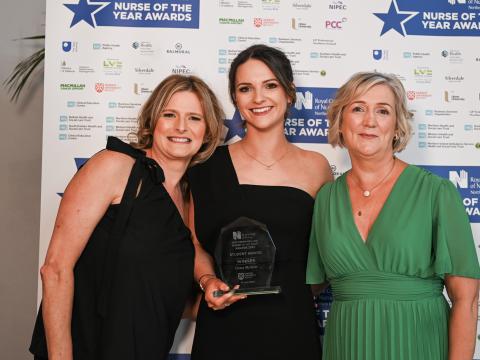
(366, 192)
(266, 166)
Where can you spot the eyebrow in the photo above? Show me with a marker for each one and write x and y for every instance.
(175, 111)
(364, 102)
(263, 82)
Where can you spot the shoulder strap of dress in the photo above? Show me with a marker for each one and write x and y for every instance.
(142, 168)
(115, 144)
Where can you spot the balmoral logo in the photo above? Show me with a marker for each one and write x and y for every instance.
(179, 49)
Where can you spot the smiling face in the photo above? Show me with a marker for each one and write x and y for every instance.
(260, 98)
(369, 123)
(180, 129)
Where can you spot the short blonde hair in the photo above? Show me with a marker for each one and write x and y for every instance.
(155, 104)
(357, 85)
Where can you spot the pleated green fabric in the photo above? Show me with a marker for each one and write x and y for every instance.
(388, 302)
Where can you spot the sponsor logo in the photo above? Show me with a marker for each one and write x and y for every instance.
(143, 70)
(422, 75)
(103, 87)
(66, 86)
(230, 21)
(415, 54)
(302, 5)
(178, 49)
(451, 96)
(64, 68)
(418, 95)
(105, 46)
(131, 13)
(337, 5)
(380, 54)
(141, 89)
(270, 4)
(453, 56)
(335, 24)
(264, 22)
(454, 78)
(143, 47)
(112, 66)
(69, 46)
(181, 69)
(299, 24)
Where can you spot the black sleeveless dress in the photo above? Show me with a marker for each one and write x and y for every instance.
(134, 276)
(276, 327)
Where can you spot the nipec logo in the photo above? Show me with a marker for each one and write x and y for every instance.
(181, 69)
(337, 5)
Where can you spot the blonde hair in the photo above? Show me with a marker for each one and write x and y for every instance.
(155, 104)
(357, 85)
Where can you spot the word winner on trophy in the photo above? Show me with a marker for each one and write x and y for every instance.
(245, 256)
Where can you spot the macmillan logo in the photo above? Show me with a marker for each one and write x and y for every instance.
(231, 21)
(131, 13)
(70, 86)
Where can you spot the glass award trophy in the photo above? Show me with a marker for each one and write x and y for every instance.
(245, 256)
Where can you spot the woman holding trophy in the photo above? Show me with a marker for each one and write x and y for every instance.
(268, 185)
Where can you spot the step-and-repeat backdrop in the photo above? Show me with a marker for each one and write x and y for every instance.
(103, 58)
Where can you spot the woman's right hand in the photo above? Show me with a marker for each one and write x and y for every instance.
(219, 303)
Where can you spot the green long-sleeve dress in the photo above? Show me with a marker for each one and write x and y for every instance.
(388, 301)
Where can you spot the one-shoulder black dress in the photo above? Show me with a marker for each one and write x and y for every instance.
(276, 327)
(134, 276)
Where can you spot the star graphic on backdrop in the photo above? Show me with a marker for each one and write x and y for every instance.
(395, 19)
(85, 10)
(235, 126)
(78, 163)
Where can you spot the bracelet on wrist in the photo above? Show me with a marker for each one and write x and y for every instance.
(203, 280)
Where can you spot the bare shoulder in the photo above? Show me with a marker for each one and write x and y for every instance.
(109, 163)
(106, 173)
(314, 170)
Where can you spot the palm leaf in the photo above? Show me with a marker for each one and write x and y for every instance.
(20, 75)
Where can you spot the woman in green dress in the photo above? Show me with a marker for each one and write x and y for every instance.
(388, 236)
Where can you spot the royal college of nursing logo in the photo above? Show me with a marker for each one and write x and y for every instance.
(431, 18)
(467, 181)
(307, 120)
(132, 13)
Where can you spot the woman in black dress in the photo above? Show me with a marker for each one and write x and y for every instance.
(120, 261)
(265, 178)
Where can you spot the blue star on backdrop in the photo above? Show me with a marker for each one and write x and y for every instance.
(78, 163)
(394, 19)
(235, 126)
(84, 10)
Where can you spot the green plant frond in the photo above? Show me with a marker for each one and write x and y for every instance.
(36, 37)
(19, 76)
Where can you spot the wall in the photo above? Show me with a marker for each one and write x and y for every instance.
(20, 164)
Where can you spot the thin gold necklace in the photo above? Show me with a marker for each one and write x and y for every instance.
(366, 192)
(266, 166)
